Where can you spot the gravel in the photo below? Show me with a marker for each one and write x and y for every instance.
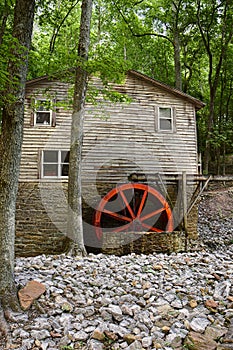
(130, 302)
(216, 219)
(157, 301)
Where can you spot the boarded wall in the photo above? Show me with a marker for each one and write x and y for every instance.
(119, 138)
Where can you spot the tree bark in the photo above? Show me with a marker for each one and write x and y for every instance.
(75, 224)
(176, 44)
(5, 14)
(178, 79)
(10, 150)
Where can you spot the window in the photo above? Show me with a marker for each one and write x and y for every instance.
(43, 112)
(55, 164)
(165, 119)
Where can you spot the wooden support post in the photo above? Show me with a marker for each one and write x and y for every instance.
(199, 194)
(184, 199)
(185, 206)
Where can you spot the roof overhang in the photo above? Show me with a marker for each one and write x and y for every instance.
(197, 103)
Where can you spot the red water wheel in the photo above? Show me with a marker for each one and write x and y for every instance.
(133, 207)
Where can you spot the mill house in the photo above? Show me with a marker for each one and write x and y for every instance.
(139, 167)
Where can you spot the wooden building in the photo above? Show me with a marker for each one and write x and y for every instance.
(147, 137)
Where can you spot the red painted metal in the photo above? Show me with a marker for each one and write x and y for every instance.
(133, 207)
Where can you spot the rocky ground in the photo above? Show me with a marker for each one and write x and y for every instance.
(178, 301)
(216, 218)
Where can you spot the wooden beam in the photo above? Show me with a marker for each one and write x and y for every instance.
(184, 199)
(198, 196)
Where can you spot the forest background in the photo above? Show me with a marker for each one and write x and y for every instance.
(186, 44)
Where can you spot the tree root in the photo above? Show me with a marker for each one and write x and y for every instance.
(4, 328)
(9, 304)
(74, 249)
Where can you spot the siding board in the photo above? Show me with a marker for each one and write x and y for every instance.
(124, 132)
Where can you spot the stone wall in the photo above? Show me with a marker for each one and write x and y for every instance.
(41, 223)
(36, 231)
(151, 242)
(121, 243)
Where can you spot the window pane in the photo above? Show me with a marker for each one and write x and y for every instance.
(50, 170)
(64, 169)
(43, 118)
(165, 113)
(50, 156)
(65, 155)
(165, 124)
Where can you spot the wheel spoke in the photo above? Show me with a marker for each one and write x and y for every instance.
(142, 203)
(153, 213)
(98, 231)
(134, 213)
(116, 215)
(127, 203)
(154, 229)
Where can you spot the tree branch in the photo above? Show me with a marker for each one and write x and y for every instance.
(139, 2)
(206, 42)
(140, 34)
(56, 30)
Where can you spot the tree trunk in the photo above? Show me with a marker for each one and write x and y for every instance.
(75, 225)
(209, 131)
(10, 150)
(5, 15)
(176, 44)
(177, 60)
(224, 160)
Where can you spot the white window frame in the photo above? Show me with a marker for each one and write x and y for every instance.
(161, 118)
(37, 101)
(59, 164)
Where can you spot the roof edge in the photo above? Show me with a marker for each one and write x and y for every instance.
(35, 80)
(198, 104)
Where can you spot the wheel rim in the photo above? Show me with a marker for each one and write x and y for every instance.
(133, 207)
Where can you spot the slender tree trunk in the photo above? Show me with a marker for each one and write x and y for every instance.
(177, 60)
(224, 160)
(75, 224)
(10, 150)
(210, 124)
(176, 44)
(4, 18)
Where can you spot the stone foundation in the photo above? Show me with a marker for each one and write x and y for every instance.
(36, 232)
(41, 223)
(122, 243)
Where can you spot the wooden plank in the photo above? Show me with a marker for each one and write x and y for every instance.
(199, 194)
(131, 124)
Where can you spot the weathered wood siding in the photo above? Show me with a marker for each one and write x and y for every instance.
(37, 138)
(127, 141)
(120, 138)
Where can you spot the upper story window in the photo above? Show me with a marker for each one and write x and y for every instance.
(55, 163)
(43, 112)
(165, 119)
